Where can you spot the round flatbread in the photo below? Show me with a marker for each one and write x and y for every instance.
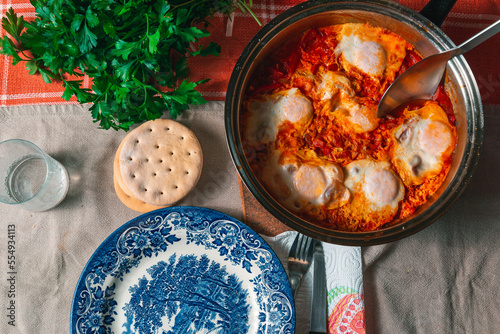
(159, 162)
(117, 174)
(131, 202)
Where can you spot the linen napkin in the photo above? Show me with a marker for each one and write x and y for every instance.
(344, 279)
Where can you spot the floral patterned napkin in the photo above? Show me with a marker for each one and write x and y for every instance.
(346, 309)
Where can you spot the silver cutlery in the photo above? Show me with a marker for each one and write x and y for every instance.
(299, 260)
(421, 80)
(318, 302)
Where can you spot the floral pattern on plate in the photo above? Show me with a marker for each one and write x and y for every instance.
(183, 270)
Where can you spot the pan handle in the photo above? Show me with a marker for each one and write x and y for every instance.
(437, 10)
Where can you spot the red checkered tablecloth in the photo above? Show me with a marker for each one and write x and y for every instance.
(467, 17)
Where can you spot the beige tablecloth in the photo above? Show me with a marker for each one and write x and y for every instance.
(52, 247)
(444, 279)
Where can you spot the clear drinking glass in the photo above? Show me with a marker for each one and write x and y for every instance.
(30, 178)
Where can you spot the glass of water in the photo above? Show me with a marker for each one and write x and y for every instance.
(30, 178)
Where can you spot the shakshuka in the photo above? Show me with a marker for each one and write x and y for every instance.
(313, 139)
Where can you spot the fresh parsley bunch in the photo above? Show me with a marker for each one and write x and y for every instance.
(135, 51)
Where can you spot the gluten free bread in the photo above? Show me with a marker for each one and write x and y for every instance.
(158, 163)
(132, 202)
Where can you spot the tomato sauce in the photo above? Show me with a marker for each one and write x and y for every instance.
(325, 136)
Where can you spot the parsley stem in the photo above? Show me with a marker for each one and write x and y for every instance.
(186, 3)
(245, 6)
(26, 56)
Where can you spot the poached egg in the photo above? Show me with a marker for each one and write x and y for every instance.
(300, 184)
(376, 191)
(423, 143)
(375, 51)
(334, 89)
(267, 113)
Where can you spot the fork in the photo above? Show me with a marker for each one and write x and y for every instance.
(299, 259)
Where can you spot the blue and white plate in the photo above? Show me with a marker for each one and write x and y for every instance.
(183, 270)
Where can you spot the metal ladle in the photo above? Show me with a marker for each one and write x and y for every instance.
(421, 80)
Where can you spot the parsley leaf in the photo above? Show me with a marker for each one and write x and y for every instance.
(135, 51)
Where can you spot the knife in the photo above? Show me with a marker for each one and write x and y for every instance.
(318, 302)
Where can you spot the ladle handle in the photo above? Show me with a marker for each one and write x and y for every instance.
(478, 38)
(437, 10)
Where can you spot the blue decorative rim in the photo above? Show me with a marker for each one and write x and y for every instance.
(156, 296)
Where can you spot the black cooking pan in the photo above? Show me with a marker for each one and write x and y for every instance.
(421, 30)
